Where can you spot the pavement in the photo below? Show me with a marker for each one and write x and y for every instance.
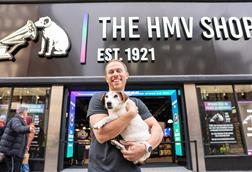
(147, 169)
(152, 169)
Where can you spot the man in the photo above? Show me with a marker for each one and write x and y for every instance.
(14, 139)
(3, 164)
(2, 124)
(104, 157)
(25, 164)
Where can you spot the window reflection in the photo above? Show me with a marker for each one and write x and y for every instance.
(4, 100)
(37, 101)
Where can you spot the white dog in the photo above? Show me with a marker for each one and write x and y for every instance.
(137, 130)
(54, 38)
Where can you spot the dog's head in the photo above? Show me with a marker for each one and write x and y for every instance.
(113, 100)
(43, 22)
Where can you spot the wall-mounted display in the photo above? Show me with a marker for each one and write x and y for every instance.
(220, 121)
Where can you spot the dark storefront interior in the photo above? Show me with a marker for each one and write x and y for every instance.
(163, 155)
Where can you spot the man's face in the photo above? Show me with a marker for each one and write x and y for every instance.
(25, 114)
(116, 76)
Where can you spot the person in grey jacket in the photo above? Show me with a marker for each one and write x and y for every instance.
(14, 139)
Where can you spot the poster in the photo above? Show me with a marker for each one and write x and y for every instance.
(245, 108)
(220, 126)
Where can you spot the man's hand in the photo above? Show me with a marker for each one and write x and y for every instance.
(32, 128)
(131, 108)
(133, 150)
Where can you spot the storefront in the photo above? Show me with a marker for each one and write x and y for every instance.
(188, 62)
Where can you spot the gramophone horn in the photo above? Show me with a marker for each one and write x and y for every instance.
(27, 31)
(15, 39)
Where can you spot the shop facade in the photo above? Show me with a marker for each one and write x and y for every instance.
(189, 62)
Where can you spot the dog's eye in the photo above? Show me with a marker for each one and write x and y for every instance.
(115, 96)
(106, 96)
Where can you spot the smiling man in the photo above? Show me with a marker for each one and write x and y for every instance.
(104, 157)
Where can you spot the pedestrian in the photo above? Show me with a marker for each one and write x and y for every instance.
(25, 163)
(3, 163)
(2, 124)
(14, 139)
(102, 155)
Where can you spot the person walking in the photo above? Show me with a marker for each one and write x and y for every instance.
(25, 163)
(3, 163)
(14, 139)
(103, 156)
(2, 124)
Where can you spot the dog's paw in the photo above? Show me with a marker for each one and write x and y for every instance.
(139, 163)
(117, 144)
(99, 125)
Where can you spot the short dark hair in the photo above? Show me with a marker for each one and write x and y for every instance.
(115, 60)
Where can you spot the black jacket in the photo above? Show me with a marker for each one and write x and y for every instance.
(14, 139)
(1, 131)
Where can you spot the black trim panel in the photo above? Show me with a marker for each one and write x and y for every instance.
(108, 1)
(154, 79)
(229, 163)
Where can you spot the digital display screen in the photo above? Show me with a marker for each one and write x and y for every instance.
(167, 132)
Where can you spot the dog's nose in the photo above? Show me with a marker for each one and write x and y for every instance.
(109, 103)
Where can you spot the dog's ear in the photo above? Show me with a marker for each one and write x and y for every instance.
(103, 98)
(123, 96)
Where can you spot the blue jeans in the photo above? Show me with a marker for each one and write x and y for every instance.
(25, 168)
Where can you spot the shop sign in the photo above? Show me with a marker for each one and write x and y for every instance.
(233, 28)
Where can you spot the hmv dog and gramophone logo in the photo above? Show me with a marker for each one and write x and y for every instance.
(55, 41)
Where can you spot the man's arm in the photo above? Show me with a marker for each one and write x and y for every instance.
(113, 128)
(156, 132)
(18, 127)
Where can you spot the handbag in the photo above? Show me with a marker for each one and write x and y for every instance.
(2, 156)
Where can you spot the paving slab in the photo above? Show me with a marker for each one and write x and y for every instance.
(152, 169)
